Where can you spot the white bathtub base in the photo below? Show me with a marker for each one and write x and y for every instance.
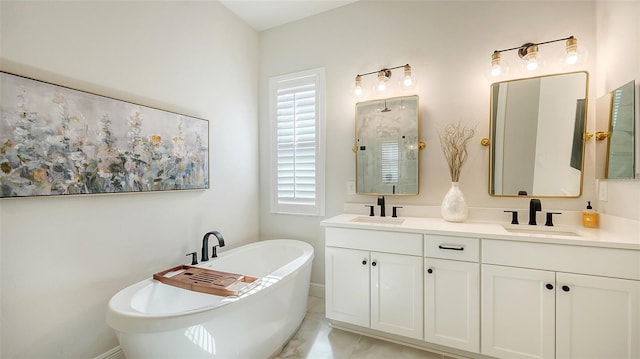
(254, 326)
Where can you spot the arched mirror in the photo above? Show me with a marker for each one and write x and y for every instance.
(537, 136)
(387, 146)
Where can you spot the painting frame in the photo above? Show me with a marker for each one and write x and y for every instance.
(57, 140)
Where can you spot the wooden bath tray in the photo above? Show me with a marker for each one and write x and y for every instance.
(203, 280)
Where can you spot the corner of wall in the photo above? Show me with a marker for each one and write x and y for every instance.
(618, 32)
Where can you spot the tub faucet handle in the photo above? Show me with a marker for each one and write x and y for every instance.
(214, 251)
(194, 258)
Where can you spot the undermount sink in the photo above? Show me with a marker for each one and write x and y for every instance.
(550, 231)
(379, 220)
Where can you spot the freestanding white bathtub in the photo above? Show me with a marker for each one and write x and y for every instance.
(155, 320)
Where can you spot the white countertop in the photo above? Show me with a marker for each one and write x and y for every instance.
(593, 237)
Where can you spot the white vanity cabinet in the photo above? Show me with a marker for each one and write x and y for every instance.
(556, 301)
(518, 312)
(479, 291)
(348, 283)
(452, 291)
(374, 280)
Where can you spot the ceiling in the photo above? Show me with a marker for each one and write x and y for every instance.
(265, 14)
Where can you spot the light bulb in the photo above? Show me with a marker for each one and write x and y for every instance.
(382, 86)
(496, 68)
(383, 78)
(358, 89)
(572, 51)
(496, 71)
(531, 57)
(408, 81)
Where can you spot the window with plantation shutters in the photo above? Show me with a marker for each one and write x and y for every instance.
(297, 102)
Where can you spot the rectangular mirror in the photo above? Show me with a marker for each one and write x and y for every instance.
(537, 136)
(387, 146)
(616, 134)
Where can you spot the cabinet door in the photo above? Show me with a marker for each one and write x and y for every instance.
(347, 285)
(518, 312)
(597, 317)
(452, 303)
(396, 294)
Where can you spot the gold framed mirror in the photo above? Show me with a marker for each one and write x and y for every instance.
(615, 136)
(387, 146)
(537, 136)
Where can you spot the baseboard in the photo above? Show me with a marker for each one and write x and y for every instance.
(115, 353)
(316, 290)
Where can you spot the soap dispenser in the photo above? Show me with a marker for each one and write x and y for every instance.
(590, 217)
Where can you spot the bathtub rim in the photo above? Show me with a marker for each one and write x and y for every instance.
(122, 317)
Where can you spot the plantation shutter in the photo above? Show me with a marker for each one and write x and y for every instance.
(296, 144)
(297, 111)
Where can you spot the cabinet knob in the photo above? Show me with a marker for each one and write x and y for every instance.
(364, 262)
(430, 270)
(374, 263)
(549, 286)
(566, 288)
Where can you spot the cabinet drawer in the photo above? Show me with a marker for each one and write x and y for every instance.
(380, 241)
(608, 262)
(450, 247)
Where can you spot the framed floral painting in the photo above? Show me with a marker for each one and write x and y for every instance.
(55, 140)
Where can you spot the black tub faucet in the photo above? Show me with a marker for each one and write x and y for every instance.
(381, 204)
(205, 245)
(534, 206)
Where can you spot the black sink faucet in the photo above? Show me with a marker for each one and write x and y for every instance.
(205, 245)
(381, 204)
(534, 206)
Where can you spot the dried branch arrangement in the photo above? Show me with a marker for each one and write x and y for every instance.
(454, 139)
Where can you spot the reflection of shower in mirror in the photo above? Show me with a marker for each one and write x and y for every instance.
(387, 146)
(385, 109)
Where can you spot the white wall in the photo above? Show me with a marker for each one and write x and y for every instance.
(63, 258)
(449, 46)
(618, 36)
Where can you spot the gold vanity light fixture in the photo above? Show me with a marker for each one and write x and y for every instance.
(529, 52)
(384, 75)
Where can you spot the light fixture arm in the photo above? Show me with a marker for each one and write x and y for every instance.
(386, 70)
(522, 49)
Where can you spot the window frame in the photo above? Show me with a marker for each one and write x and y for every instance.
(317, 77)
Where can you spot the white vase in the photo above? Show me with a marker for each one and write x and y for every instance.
(454, 207)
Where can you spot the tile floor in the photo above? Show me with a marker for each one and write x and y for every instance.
(316, 340)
